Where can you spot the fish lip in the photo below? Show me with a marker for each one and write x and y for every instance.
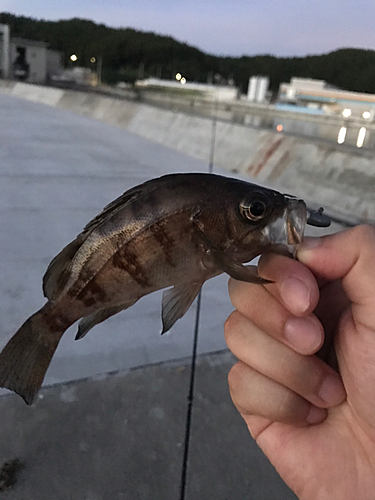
(296, 219)
(287, 231)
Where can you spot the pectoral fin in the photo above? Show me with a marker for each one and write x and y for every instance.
(97, 317)
(176, 301)
(236, 269)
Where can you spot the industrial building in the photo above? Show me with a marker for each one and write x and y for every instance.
(204, 90)
(319, 96)
(258, 89)
(27, 60)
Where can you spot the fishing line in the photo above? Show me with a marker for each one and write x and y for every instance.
(190, 399)
(195, 339)
(213, 136)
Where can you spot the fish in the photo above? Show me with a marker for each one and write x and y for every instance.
(173, 232)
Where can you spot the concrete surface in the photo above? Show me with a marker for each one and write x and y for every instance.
(57, 171)
(121, 438)
(109, 437)
(333, 175)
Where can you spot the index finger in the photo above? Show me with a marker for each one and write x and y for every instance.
(294, 285)
(348, 256)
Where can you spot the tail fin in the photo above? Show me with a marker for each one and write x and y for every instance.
(26, 357)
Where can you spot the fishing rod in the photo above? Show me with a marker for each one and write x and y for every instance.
(196, 333)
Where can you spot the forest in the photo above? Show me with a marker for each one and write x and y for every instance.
(128, 54)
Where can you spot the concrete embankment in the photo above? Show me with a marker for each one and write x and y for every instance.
(340, 178)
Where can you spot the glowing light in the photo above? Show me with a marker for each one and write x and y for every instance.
(279, 127)
(92, 59)
(346, 112)
(361, 137)
(178, 76)
(342, 135)
(366, 115)
(183, 80)
(73, 57)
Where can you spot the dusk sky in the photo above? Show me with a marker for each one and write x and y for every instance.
(227, 27)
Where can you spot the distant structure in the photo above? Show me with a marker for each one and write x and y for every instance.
(77, 75)
(319, 96)
(219, 92)
(4, 51)
(258, 88)
(27, 60)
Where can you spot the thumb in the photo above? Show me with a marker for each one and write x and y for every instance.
(348, 256)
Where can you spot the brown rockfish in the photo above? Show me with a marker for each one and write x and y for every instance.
(175, 231)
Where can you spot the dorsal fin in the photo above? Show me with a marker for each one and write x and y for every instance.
(59, 270)
(57, 274)
(113, 207)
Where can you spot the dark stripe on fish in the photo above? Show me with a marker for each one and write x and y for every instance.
(92, 294)
(165, 241)
(127, 260)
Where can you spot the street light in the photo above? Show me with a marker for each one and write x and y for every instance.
(73, 57)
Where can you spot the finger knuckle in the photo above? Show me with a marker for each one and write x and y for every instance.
(235, 377)
(236, 293)
(291, 408)
(231, 326)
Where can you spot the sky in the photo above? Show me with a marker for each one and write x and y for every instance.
(227, 27)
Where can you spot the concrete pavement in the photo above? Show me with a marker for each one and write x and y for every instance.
(57, 171)
(121, 438)
(95, 436)
(330, 174)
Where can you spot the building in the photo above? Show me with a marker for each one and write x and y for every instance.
(27, 60)
(258, 89)
(180, 85)
(318, 95)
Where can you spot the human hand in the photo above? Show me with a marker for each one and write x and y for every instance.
(317, 428)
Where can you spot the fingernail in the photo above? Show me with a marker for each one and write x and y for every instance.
(308, 244)
(316, 415)
(332, 391)
(296, 295)
(304, 334)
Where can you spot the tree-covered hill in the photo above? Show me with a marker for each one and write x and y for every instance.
(128, 54)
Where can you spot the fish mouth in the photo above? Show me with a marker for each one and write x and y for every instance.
(286, 233)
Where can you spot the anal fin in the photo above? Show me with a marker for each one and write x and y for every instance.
(176, 301)
(97, 317)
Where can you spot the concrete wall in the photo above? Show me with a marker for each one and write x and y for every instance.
(342, 179)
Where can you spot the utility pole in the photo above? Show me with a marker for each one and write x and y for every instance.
(99, 66)
(141, 70)
(5, 51)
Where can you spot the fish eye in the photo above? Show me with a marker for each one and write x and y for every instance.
(254, 210)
